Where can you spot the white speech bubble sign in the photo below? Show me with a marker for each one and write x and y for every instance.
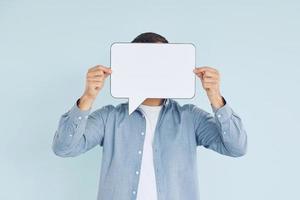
(152, 70)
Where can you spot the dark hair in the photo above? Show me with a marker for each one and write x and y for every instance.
(149, 37)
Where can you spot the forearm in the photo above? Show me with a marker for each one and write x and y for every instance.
(71, 128)
(222, 132)
(231, 131)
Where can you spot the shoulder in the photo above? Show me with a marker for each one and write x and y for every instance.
(110, 109)
(187, 108)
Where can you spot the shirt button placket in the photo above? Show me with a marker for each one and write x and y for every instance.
(139, 152)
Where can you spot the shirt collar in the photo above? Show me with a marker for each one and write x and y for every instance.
(165, 103)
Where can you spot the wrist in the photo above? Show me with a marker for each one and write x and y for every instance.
(85, 102)
(217, 101)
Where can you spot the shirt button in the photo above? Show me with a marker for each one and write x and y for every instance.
(79, 117)
(70, 135)
(133, 192)
(142, 133)
(137, 172)
(224, 132)
(219, 116)
(140, 152)
(86, 116)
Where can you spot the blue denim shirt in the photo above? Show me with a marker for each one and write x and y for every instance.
(180, 129)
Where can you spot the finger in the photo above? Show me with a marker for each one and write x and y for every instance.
(94, 81)
(209, 74)
(106, 75)
(101, 72)
(95, 78)
(209, 80)
(98, 73)
(96, 84)
(200, 69)
(93, 68)
(95, 75)
(205, 68)
(104, 70)
(101, 67)
(208, 85)
(200, 75)
(97, 67)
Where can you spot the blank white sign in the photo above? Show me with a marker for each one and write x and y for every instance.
(152, 70)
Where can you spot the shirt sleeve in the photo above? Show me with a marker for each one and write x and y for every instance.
(222, 132)
(78, 131)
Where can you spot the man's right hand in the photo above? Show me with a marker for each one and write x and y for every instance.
(95, 78)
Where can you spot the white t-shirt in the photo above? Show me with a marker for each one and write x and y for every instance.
(147, 182)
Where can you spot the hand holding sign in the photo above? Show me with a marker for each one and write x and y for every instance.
(210, 79)
(152, 70)
(95, 78)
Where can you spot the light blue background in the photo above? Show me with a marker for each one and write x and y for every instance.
(46, 48)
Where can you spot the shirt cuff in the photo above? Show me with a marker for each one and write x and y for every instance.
(75, 112)
(223, 113)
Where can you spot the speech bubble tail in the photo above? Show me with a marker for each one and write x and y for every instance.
(134, 103)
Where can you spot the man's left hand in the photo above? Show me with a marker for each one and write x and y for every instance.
(210, 79)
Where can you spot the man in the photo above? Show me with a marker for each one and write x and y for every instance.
(150, 154)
